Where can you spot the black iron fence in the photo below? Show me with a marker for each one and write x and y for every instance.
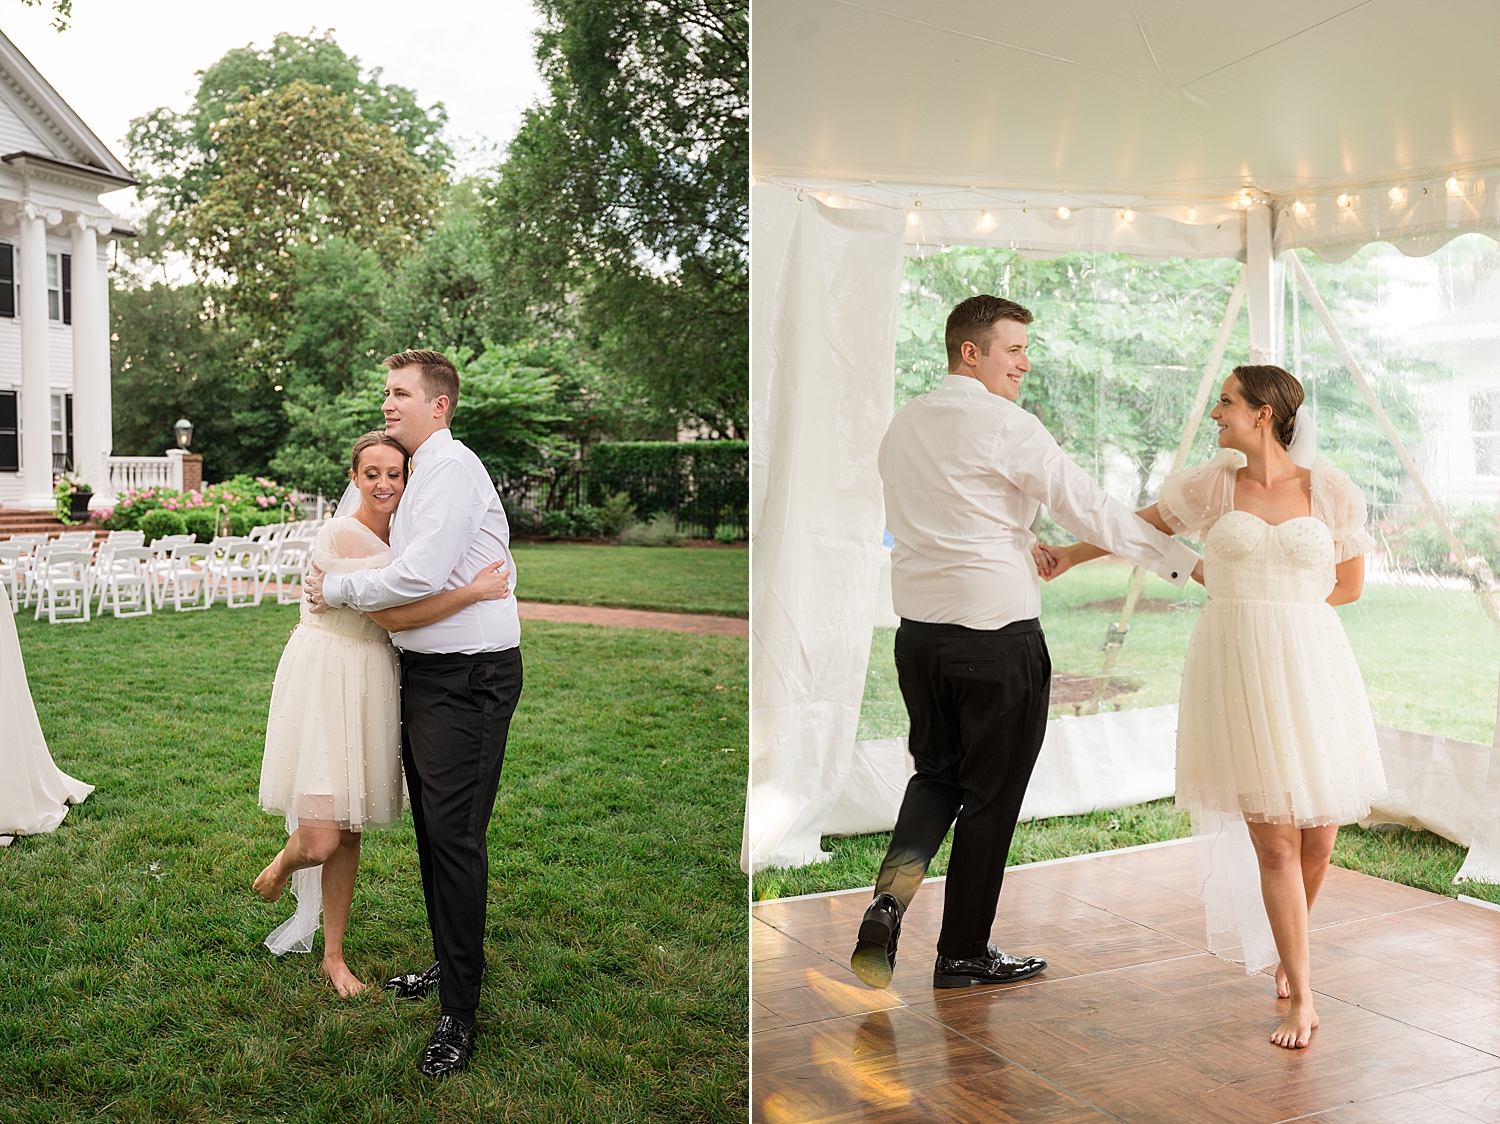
(701, 506)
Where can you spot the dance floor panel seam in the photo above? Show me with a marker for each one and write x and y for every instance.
(1134, 1021)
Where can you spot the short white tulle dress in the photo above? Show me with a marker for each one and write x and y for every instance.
(333, 735)
(1273, 722)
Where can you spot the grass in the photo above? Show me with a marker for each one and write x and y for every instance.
(1430, 660)
(673, 580)
(135, 986)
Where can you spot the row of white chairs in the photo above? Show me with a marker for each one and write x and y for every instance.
(65, 578)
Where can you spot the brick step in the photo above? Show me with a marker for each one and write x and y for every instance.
(14, 522)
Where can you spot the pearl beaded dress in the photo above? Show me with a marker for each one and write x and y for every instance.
(1273, 721)
(333, 735)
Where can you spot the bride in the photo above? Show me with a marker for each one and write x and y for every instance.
(1274, 727)
(332, 762)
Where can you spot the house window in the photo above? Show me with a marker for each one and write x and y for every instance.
(7, 283)
(1484, 427)
(54, 289)
(10, 435)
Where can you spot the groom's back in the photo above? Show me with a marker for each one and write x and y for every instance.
(962, 549)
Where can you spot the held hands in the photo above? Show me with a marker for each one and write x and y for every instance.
(1052, 561)
(312, 589)
(492, 583)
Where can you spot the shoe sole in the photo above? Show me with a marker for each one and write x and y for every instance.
(942, 980)
(872, 961)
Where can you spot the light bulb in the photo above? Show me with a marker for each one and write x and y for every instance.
(1128, 215)
(1244, 200)
(1398, 195)
(1299, 209)
(986, 221)
(1343, 200)
(1453, 185)
(911, 218)
(1192, 213)
(1063, 212)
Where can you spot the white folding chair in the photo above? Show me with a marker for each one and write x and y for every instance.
(289, 566)
(187, 575)
(63, 586)
(240, 562)
(161, 550)
(127, 538)
(128, 582)
(12, 572)
(75, 540)
(263, 533)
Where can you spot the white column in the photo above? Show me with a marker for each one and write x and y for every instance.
(1261, 289)
(36, 390)
(91, 420)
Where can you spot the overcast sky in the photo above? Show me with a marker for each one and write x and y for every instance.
(121, 60)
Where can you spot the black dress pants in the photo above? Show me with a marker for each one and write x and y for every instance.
(978, 706)
(455, 714)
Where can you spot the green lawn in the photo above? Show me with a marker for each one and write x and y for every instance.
(1430, 659)
(671, 579)
(135, 987)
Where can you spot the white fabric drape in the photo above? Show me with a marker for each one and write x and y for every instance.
(824, 284)
(35, 794)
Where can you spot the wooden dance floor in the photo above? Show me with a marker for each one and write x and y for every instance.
(1133, 1020)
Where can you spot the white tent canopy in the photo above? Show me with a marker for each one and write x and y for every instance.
(1159, 128)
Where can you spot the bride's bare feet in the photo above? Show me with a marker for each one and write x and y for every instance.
(1296, 1029)
(1283, 989)
(270, 882)
(348, 984)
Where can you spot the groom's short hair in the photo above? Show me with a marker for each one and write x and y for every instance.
(439, 375)
(973, 321)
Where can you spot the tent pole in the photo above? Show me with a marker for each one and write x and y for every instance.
(1478, 569)
(1114, 639)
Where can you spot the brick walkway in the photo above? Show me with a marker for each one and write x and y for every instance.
(635, 618)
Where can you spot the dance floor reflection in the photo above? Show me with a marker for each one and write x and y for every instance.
(1133, 1020)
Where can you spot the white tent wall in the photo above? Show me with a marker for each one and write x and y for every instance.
(824, 284)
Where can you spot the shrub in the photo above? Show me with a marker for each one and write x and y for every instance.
(556, 524)
(1416, 542)
(586, 522)
(660, 531)
(705, 482)
(615, 514)
(160, 523)
(725, 533)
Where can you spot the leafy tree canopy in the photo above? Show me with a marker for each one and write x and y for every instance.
(621, 208)
(177, 155)
(298, 164)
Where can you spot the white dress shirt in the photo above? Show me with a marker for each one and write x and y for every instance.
(449, 526)
(964, 471)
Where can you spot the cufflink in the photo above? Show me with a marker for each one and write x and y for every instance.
(1174, 573)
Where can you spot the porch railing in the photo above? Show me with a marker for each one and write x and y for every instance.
(130, 474)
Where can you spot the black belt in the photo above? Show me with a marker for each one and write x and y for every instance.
(937, 628)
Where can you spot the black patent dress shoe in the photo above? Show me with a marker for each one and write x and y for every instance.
(994, 967)
(448, 1049)
(875, 952)
(414, 985)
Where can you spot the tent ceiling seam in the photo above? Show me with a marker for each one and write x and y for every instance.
(1278, 43)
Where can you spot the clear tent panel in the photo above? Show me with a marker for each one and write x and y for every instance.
(1119, 349)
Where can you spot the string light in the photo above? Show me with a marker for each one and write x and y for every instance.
(1192, 213)
(1245, 200)
(911, 218)
(1128, 215)
(1299, 209)
(1398, 194)
(1063, 212)
(1453, 185)
(986, 221)
(1343, 200)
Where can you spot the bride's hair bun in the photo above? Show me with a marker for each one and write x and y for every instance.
(1265, 385)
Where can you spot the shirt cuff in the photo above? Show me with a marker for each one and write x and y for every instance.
(333, 590)
(1177, 567)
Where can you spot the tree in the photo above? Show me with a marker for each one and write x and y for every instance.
(620, 211)
(62, 11)
(176, 156)
(175, 355)
(299, 165)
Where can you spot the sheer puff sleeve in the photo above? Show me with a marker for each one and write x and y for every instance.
(1338, 502)
(1193, 499)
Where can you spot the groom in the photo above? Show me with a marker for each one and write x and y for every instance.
(460, 681)
(964, 470)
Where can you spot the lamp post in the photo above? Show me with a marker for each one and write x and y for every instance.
(184, 431)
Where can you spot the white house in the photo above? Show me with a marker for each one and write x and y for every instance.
(55, 408)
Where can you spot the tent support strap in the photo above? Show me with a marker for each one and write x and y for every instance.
(1479, 571)
(1114, 640)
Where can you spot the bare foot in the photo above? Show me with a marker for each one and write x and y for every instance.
(1283, 989)
(270, 882)
(1296, 1029)
(347, 983)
